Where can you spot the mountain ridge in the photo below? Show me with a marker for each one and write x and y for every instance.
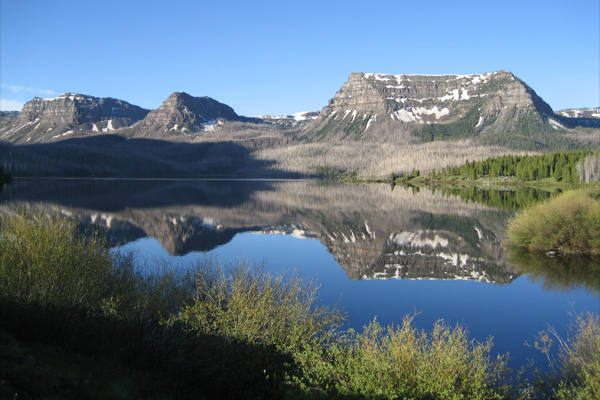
(496, 107)
(43, 120)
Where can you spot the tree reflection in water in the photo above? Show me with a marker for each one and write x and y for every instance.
(561, 273)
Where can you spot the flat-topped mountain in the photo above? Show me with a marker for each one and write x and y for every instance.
(181, 113)
(433, 107)
(42, 120)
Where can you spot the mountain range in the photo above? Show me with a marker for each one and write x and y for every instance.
(431, 106)
(494, 109)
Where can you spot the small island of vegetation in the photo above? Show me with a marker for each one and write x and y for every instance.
(568, 223)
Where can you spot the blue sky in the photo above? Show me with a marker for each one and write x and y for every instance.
(282, 57)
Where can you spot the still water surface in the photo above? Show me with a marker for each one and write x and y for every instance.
(376, 252)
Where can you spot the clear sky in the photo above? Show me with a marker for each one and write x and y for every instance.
(285, 56)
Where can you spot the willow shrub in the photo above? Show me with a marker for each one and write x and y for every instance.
(580, 359)
(57, 284)
(575, 367)
(240, 333)
(569, 223)
(405, 362)
(44, 261)
(246, 326)
(258, 308)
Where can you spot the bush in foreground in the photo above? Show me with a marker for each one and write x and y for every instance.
(405, 362)
(43, 262)
(579, 360)
(575, 367)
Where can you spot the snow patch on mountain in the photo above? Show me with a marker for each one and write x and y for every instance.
(555, 124)
(414, 114)
(419, 239)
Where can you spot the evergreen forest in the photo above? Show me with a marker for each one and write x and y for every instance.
(575, 166)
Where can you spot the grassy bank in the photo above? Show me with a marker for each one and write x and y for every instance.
(568, 223)
(77, 321)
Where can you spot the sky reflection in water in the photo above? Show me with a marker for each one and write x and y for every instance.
(512, 313)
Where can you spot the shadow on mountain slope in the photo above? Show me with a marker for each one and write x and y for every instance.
(105, 195)
(116, 156)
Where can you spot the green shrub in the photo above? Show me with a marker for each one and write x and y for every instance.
(575, 369)
(246, 325)
(44, 261)
(257, 307)
(569, 223)
(141, 293)
(405, 362)
(580, 359)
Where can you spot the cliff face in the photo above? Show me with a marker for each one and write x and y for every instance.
(6, 117)
(183, 114)
(480, 104)
(69, 114)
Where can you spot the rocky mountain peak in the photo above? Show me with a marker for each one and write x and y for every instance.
(45, 119)
(182, 113)
(497, 107)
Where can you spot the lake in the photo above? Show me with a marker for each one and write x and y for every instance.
(377, 251)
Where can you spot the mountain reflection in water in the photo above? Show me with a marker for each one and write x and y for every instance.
(434, 252)
(371, 231)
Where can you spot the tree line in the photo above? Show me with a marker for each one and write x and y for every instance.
(575, 166)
